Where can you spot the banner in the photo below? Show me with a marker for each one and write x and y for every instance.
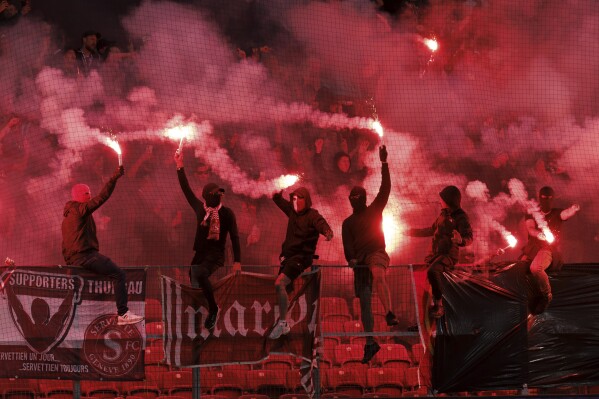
(248, 310)
(61, 323)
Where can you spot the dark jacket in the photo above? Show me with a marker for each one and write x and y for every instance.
(442, 231)
(303, 228)
(362, 232)
(78, 226)
(228, 224)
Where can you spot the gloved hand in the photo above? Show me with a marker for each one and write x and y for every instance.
(383, 153)
(277, 195)
(329, 235)
(120, 171)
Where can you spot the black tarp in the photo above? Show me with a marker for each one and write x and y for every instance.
(489, 340)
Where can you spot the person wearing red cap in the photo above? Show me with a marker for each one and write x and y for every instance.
(80, 245)
(215, 222)
(450, 231)
(539, 252)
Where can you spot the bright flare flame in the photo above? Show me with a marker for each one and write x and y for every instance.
(378, 128)
(548, 235)
(511, 240)
(432, 44)
(179, 132)
(286, 181)
(391, 230)
(113, 144)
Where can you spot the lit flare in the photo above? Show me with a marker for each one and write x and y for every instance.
(286, 181)
(116, 147)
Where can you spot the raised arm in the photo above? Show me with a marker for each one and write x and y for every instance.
(282, 203)
(184, 183)
(89, 207)
(383, 196)
(568, 213)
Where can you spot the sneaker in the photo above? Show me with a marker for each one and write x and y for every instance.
(437, 311)
(281, 328)
(128, 318)
(210, 320)
(369, 351)
(391, 319)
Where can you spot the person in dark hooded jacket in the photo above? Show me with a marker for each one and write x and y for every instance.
(542, 252)
(80, 245)
(364, 248)
(450, 231)
(215, 222)
(303, 228)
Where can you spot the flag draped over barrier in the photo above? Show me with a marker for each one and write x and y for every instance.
(61, 323)
(248, 310)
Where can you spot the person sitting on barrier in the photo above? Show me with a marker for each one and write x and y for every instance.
(80, 245)
(364, 245)
(540, 252)
(303, 229)
(215, 221)
(450, 231)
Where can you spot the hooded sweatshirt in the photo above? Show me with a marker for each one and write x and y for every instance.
(303, 228)
(363, 231)
(79, 227)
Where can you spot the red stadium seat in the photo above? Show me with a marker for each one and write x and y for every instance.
(353, 326)
(227, 382)
(377, 307)
(17, 388)
(278, 362)
(293, 380)
(99, 389)
(345, 353)
(254, 396)
(374, 395)
(154, 353)
(329, 344)
(412, 383)
(334, 309)
(335, 395)
(178, 378)
(294, 396)
(57, 389)
(153, 310)
(154, 331)
(142, 389)
(267, 381)
(350, 380)
(393, 354)
(387, 381)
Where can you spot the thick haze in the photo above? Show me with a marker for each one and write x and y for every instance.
(512, 93)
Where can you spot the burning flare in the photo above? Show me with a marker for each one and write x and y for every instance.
(511, 240)
(548, 235)
(112, 143)
(432, 44)
(391, 230)
(286, 181)
(378, 128)
(179, 132)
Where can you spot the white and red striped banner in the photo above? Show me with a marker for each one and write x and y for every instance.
(248, 310)
(61, 323)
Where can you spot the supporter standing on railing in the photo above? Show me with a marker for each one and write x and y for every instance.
(303, 229)
(80, 245)
(215, 221)
(364, 247)
(539, 252)
(450, 231)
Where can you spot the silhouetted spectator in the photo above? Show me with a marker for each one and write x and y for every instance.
(88, 55)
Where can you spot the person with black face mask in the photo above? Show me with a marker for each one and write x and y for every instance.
(364, 248)
(450, 231)
(304, 226)
(541, 253)
(215, 221)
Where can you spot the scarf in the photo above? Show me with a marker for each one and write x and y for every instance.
(214, 229)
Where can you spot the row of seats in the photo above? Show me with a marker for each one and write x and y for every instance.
(230, 383)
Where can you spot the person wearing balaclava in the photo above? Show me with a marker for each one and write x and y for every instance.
(541, 253)
(80, 245)
(215, 222)
(450, 231)
(304, 226)
(364, 248)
